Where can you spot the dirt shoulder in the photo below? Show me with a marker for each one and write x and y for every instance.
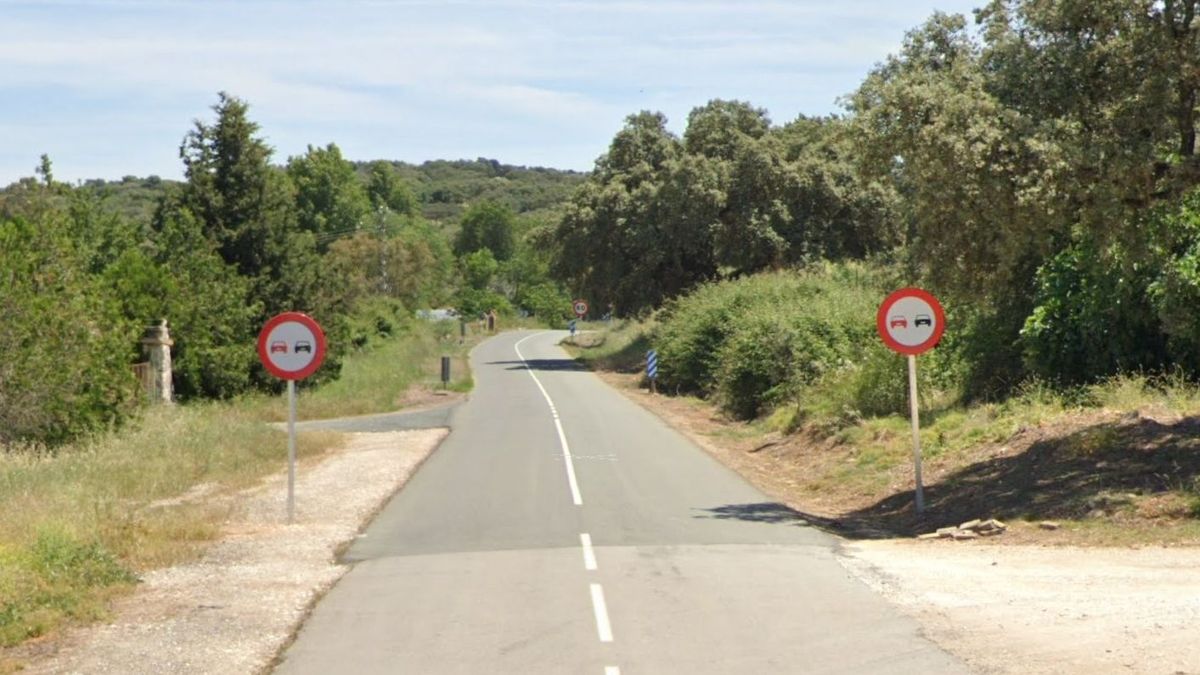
(236, 607)
(1028, 601)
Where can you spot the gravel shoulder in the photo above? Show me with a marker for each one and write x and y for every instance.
(234, 609)
(1035, 609)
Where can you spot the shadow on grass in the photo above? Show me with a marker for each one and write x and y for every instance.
(1088, 472)
(629, 359)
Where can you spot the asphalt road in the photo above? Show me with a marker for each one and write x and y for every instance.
(561, 528)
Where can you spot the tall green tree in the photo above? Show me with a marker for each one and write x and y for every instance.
(245, 207)
(387, 190)
(330, 199)
(58, 322)
(487, 226)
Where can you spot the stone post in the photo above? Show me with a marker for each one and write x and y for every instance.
(157, 343)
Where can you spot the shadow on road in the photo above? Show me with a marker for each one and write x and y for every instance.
(776, 513)
(541, 364)
(763, 512)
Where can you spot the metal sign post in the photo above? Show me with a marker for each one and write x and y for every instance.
(916, 431)
(911, 322)
(291, 346)
(291, 496)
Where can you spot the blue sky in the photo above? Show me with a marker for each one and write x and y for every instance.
(108, 88)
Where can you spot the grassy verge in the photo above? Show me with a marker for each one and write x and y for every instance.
(78, 525)
(1114, 463)
(383, 379)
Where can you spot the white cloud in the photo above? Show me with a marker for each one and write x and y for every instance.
(399, 75)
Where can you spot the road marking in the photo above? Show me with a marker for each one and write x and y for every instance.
(589, 555)
(602, 625)
(612, 670)
(562, 437)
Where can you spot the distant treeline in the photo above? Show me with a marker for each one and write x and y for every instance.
(442, 189)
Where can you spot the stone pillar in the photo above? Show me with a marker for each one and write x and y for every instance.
(157, 343)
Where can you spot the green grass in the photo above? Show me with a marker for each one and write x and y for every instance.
(376, 381)
(620, 346)
(78, 525)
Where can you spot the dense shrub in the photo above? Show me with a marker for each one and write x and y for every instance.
(1092, 317)
(66, 347)
(755, 341)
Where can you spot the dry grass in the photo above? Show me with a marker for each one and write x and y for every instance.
(79, 524)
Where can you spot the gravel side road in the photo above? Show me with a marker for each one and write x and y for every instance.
(232, 611)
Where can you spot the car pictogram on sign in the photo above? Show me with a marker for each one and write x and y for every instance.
(291, 346)
(910, 321)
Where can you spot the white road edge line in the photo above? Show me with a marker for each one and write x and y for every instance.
(589, 555)
(602, 626)
(612, 670)
(562, 437)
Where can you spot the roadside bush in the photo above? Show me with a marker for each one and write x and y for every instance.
(1091, 317)
(548, 302)
(378, 318)
(58, 323)
(757, 341)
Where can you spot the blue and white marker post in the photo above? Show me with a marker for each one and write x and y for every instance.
(652, 369)
(571, 326)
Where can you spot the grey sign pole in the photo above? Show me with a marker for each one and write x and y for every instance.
(291, 498)
(916, 429)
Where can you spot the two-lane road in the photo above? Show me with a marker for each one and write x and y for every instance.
(562, 529)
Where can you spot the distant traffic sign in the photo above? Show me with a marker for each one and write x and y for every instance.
(291, 346)
(652, 364)
(580, 307)
(910, 321)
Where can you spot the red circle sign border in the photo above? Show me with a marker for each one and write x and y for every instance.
(318, 356)
(575, 306)
(910, 292)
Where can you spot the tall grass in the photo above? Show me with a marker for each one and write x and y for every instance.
(79, 524)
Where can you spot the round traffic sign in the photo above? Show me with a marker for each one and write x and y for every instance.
(580, 307)
(910, 321)
(291, 346)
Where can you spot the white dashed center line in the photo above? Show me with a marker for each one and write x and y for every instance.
(589, 555)
(603, 628)
(562, 437)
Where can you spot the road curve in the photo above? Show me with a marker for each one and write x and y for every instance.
(561, 528)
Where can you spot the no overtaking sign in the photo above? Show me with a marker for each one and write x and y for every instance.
(291, 346)
(911, 321)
